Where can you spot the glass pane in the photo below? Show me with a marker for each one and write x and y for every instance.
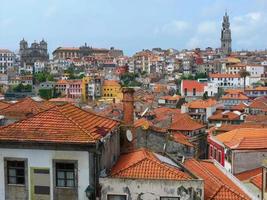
(20, 172)
(12, 172)
(12, 180)
(60, 174)
(70, 183)
(70, 175)
(60, 183)
(20, 180)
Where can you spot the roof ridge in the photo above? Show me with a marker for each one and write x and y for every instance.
(228, 188)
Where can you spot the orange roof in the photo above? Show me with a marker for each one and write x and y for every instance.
(111, 83)
(181, 138)
(25, 107)
(230, 127)
(192, 84)
(230, 96)
(260, 88)
(243, 176)
(142, 122)
(171, 98)
(143, 164)
(259, 103)
(62, 81)
(164, 112)
(59, 124)
(256, 118)
(224, 75)
(239, 107)
(201, 103)
(183, 122)
(216, 184)
(233, 91)
(68, 49)
(3, 105)
(62, 99)
(224, 116)
(244, 138)
(257, 181)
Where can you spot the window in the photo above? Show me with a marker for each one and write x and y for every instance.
(116, 197)
(65, 175)
(194, 91)
(185, 92)
(169, 198)
(15, 172)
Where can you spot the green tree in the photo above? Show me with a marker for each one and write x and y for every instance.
(46, 93)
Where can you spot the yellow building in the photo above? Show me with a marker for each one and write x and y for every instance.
(111, 89)
(85, 82)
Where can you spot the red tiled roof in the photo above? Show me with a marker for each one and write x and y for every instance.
(143, 164)
(201, 103)
(192, 84)
(4, 105)
(245, 138)
(171, 98)
(216, 184)
(224, 75)
(25, 107)
(181, 138)
(239, 107)
(230, 96)
(60, 124)
(223, 116)
(183, 122)
(243, 176)
(259, 103)
(256, 118)
(257, 181)
(164, 112)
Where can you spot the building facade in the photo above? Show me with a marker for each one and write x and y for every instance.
(226, 40)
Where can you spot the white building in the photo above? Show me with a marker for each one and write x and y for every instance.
(256, 72)
(7, 59)
(55, 155)
(227, 80)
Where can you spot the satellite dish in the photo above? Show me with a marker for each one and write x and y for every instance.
(129, 135)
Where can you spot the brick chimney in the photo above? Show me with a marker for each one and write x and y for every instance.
(128, 106)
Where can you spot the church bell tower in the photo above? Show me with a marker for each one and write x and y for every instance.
(226, 40)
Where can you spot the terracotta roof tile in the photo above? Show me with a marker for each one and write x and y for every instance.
(224, 75)
(143, 164)
(201, 103)
(216, 184)
(183, 122)
(243, 176)
(181, 138)
(256, 118)
(4, 105)
(223, 116)
(192, 84)
(60, 124)
(244, 138)
(171, 98)
(25, 107)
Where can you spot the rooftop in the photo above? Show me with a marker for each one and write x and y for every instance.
(217, 185)
(244, 138)
(59, 124)
(143, 164)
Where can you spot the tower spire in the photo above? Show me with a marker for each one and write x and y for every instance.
(226, 40)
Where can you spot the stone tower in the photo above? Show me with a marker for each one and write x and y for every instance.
(226, 40)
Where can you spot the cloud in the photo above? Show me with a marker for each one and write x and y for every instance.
(206, 34)
(175, 27)
(249, 30)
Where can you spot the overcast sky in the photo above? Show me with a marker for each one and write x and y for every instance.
(132, 25)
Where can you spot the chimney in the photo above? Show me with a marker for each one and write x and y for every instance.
(128, 106)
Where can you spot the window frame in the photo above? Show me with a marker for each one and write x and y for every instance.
(6, 171)
(116, 194)
(75, 174)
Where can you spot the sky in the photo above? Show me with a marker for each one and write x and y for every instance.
(133, 25)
